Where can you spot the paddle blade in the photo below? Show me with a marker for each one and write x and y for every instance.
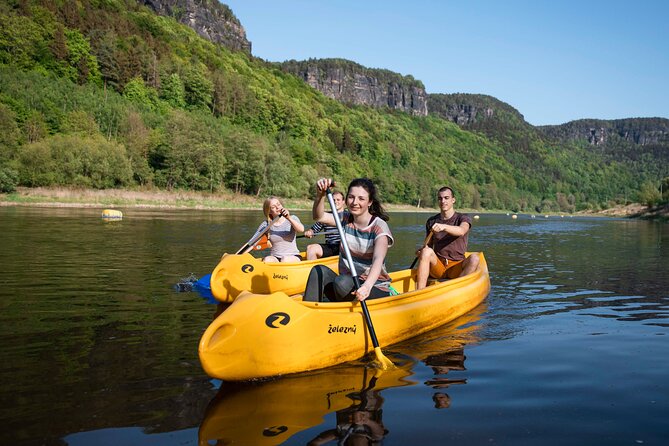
(384, 363)
(261, 244)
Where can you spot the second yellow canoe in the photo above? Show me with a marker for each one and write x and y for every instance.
(243, 272)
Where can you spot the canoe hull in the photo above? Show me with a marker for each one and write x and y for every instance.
(267, 335)
(239, 272)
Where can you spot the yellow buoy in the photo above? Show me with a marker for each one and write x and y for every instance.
(476, 217)
(112, 214)
(514, 216)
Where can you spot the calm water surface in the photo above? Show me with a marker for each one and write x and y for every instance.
(571, 346)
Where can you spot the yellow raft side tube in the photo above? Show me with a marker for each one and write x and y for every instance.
(267, 335)
(243, 272)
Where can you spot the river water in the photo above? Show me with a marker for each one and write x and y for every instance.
(570, 347)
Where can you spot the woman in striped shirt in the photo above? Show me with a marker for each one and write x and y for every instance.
(368, 237)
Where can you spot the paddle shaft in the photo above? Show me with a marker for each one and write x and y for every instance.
(253, 240)
(351, 265)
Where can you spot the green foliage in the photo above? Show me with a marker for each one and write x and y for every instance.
(140, 94)
(10, 135)
(9, 178)
(199, 90)
(173, 91)
(63, 160)
(649, 194)
(191, 155)
(108, 94)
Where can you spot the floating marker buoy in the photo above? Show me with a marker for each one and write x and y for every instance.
(476, 217)
(514, 216)
(112, 214)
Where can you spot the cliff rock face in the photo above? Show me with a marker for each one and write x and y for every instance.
(469, 109)
(209, 18)
(639, 131)
(352, 83)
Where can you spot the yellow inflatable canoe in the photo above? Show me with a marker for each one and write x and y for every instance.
(266, 335)
(269, 413)
(243, 272)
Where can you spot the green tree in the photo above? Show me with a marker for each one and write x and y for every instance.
(84, 64)
(198, 88)
(74, 160)
(137, 92)
(173, 91)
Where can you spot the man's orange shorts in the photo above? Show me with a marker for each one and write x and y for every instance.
(445, 269)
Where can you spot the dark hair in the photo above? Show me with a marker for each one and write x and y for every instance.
(444, 189)
(376, 208)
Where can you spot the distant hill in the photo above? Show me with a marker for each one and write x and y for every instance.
(116, 93)
(209, 18)
(620, 139)
(351, 83)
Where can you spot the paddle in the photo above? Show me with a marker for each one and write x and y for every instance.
(251, 244)
(315, 235)
(427, 240)
(385, 362)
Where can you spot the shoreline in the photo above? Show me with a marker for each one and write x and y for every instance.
(159, 199)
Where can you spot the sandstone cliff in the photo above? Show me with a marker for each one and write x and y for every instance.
(639, 131)
(209, 18)
(351, 83)
(468, 109)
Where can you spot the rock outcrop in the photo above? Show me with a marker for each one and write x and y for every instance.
(351, 83)
(209, 18)
(639, 131)
(468, 109)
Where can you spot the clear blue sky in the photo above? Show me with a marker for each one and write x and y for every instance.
(553, 60)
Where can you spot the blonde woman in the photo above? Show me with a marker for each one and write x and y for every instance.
(282, 233)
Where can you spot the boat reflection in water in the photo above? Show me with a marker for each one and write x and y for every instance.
(270, 412)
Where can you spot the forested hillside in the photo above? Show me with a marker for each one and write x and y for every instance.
(106, 93)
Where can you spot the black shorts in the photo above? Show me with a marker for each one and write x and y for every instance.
(330, 250)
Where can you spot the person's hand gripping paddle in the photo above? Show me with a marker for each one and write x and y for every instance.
(384, 362)
(259, 241)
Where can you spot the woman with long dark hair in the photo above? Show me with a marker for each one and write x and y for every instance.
(368, 237)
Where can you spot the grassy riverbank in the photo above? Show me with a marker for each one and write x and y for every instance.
(119, 198)
(160, 199)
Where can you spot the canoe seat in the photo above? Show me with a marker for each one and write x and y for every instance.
(432, 281)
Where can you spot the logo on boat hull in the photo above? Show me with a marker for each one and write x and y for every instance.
(274, 431)
(247, 268)
(280, 318)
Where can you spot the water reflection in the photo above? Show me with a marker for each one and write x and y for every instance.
(361, 423)
(269, 413)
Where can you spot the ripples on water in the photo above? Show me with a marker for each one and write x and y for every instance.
(569, 348)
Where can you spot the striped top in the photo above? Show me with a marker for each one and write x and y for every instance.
(361, 244)
(331, 232)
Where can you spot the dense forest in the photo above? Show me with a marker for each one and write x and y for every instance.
(107, 94)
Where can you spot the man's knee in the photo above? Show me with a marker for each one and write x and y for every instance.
(427, 254)
(314, 250)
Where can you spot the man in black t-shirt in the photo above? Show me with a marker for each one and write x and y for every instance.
(450, 231)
